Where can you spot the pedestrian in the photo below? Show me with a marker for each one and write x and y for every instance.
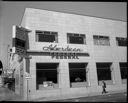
(104, 87)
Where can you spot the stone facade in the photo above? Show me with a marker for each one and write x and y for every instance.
(63, 23)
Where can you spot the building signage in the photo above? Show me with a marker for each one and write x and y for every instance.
(61, 55)
(19, 39)
(55, 48)
(61, 52)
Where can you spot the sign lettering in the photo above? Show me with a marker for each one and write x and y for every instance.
(55, 48)
(62, 53)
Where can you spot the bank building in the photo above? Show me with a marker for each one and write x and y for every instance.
(67, 55)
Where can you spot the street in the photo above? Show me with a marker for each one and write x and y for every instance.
(117, 97)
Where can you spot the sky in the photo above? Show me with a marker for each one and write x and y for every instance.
(11, 13)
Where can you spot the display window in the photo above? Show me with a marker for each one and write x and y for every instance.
(78, 74)
(46, 75)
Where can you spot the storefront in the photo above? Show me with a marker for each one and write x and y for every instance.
(69, 55)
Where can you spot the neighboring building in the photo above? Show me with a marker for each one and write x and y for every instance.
(69, 55)
(1, 68)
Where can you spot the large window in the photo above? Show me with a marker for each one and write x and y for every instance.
(123, 69)
(77, 72)
(74, 38)
(104, 72)
(46, 36)
(101, 40)
(46, 75)
(121, 41)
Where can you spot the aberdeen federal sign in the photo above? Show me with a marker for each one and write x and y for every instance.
(61, 52)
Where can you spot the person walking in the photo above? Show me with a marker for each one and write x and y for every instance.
(104, 87)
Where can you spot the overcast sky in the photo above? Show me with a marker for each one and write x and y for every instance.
(11, 14)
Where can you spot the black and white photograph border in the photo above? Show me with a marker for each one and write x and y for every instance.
(63, 51)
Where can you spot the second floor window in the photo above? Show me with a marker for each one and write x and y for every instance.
(46, 36)
(121, 41)
(74, 38)
(101, 40)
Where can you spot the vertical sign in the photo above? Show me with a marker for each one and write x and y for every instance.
(19, 37)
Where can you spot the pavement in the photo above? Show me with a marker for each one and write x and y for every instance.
(8, 95)
(116, 97)
(89, 95)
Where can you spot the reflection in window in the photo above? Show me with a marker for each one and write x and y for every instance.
(101, 40)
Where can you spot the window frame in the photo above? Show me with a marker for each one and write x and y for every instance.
(47, 33)
(44, 77)
(104, 66)
(78, 81)
(121, 41)
(76, 35)
(101, 40)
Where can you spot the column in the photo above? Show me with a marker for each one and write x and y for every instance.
(112, 74)
(116, 73)
(29, 84)
(93, 74)
(88, 75)
(32, 81)
(64, 81)
(25, 82)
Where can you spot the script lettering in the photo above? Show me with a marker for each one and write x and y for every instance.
(55, 48)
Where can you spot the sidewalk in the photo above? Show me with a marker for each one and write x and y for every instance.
(66, 97)
(7, 95)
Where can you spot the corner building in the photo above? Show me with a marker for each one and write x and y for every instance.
(69, 55)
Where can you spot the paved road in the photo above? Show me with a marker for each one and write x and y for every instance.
(117, 97)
